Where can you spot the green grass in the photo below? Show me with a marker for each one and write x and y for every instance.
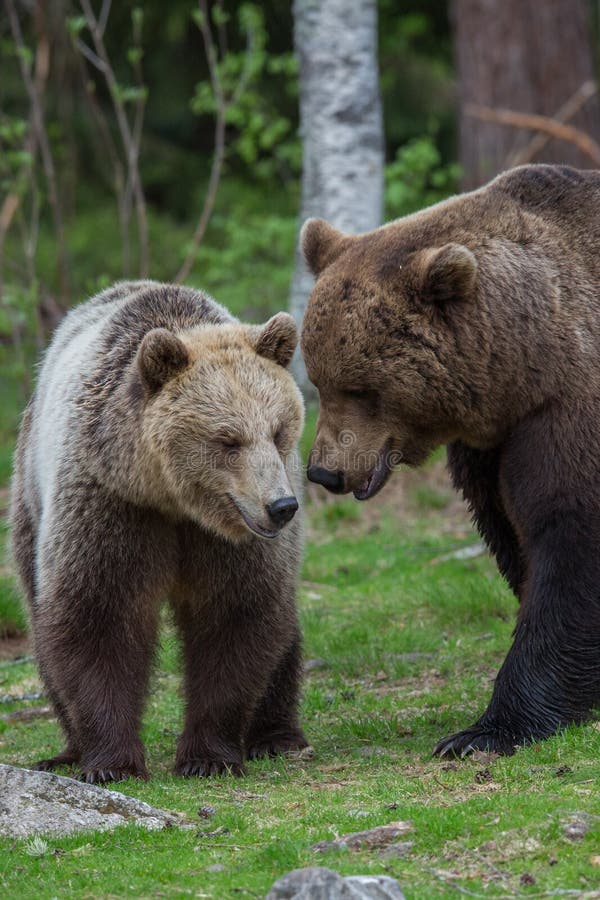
(12, 619)
(410, 643)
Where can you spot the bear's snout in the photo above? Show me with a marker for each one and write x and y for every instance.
(282, 511)
(333, 481)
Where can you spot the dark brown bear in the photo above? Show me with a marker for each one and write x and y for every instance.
(157, 459)
(476, 324)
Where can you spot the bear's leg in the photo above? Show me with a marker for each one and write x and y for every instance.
(98, 664)
(71, 753)
(235, 609)
(96, 623)
(475, 474)
(275, 728)
(551, 676)
(220, 687)
(229, 660)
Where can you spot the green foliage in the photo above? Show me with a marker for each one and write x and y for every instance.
(417, 74)
(260, 137)
(15, 159)
(12, 617)
(19, 342)
(247, 264)
(417, 177)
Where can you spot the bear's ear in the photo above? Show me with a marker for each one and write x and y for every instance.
(160, 356)
(445, 273)
(321, 244)
(277, 339)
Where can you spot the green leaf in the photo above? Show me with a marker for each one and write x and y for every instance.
(76, 24)
(198, 17)
(137, 16)
(131, 94)
(134, 55)
(219, 16)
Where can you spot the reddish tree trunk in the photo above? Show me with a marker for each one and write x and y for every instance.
(526, 56)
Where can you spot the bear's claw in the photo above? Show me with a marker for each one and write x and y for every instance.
(463, 743)
(276, 745)
(208, 768)
(115, 773)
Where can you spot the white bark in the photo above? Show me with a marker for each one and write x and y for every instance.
(340, 124)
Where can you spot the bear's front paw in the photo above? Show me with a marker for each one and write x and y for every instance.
(480, 737)
(104, 774)
(208, 767)
(276, 744)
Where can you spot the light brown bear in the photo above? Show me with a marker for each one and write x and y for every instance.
(476, 324)
(157, 459)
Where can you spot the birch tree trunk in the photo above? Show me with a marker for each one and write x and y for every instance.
(527, 56)
(340, 124)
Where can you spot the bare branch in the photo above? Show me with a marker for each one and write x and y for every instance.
(112, 154)
(569, 109)
(103, 17)
(7, 211)
(90, 55)
(140, 107)
(33, 89)
(545, 124)
(221, 30)
(129, 144)
(219, 145)
(246, 69)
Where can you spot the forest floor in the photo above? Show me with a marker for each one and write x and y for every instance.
(403, 636)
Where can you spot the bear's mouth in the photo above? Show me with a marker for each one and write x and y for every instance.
(252, 524)
(378, 475)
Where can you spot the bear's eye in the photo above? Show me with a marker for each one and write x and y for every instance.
(363, 396)
(367, 400)
(230, 444)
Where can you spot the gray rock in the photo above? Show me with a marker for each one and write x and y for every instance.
(42, 803)
(314, 883)
(311, 664)
(375, 887)
(207, 812)
(577, 826)
(372, 839)
(318, 883)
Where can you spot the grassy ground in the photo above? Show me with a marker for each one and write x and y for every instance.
(408, 638)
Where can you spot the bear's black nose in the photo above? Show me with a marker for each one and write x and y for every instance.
(333, 481)
(282, 510)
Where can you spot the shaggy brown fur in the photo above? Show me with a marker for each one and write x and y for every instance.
(161, 434)
(476, 323)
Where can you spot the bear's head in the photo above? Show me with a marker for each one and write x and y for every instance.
(221, 420)
(388, 339)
